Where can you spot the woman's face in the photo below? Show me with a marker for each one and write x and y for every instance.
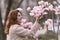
(19, 17)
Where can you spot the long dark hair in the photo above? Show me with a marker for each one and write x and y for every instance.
(12, 19)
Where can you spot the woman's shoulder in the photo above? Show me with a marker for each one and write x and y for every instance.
(15, 25)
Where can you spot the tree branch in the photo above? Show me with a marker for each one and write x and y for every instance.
(19, 3)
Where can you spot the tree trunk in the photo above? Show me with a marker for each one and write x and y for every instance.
(2, 35)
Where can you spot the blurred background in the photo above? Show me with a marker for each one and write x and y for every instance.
(7, 5)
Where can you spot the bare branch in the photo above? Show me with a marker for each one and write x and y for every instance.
(19, 3)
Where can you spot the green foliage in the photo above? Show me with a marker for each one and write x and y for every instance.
(48, 36)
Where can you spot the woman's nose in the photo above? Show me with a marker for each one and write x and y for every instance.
(21, 16)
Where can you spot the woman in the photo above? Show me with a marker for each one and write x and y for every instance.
(17, 32)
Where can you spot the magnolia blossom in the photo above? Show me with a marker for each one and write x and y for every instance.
(57, 8)
(45, 13)
(51, 7)
(48, 21)
(41, 2)
(25, 24)
(28, 25)
(46, 8)
(37, 11)
(32, 14)
(28, 9)
(37, 8)
(46, 4)
(41, 9)
(50, 26)
(20, 9)
(23, 21)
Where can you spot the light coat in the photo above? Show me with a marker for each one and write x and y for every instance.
(17, 32)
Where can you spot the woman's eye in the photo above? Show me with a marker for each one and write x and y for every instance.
(18, 15)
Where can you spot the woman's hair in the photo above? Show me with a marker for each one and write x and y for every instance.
(12, 19)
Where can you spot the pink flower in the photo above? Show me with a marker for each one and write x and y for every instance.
(50, 20)
(46, 9)
(46, 22)
(27, 25)
(51, 7)
(57, 8)
(20, 9)
(28, 9)
(40, 10)
(41, 2)
(31, 14)
(23, 20)
(37, 11)
(36, 8)
(46, 4)
(30, 25)
(45, 13)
